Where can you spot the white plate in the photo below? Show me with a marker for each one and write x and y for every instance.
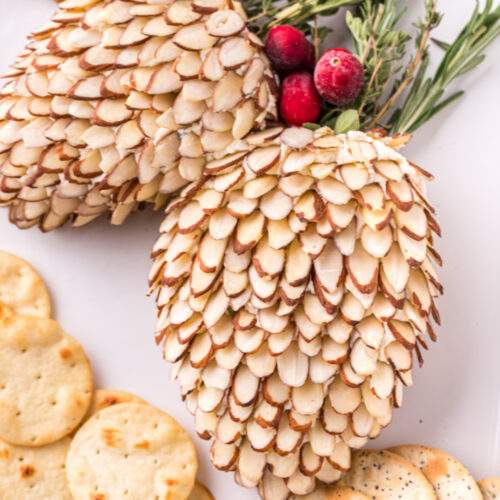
(98, 278)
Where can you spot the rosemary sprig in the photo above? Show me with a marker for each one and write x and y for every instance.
(379, 42)
(427, 94)
(380, 46)
(264, 14)
(432, 19)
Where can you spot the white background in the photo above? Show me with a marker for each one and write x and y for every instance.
(97, 275)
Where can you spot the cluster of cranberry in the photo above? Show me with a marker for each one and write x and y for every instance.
(337, 77)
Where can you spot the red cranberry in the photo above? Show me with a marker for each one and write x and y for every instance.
(339, 76)
(299, 100)
(287, 47)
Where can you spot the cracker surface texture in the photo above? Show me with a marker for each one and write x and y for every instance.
(200, 492)
(34, 473)
(383, 475)
(6, 311)
(344, 493)
(132, 451)
(447, 475)
(22, 288)
(45, 381)
(104, 398)
(490, 488)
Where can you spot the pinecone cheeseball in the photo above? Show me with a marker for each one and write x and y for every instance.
(295, 284)
(116, 103)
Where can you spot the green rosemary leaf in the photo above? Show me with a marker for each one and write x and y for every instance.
(475, 61)
(413, 69)
(424, 114)
(418, 88)
(439, 43)
(463, 55)
(380, 45)
(440, 106)
(404, 91)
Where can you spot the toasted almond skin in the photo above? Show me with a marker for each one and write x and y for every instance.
(120, 82)
(312, 303)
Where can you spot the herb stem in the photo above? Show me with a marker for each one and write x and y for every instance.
(464, 54)
(316, 38)
(412, 67)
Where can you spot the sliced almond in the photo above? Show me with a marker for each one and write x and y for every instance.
(274, 391)
(227, 92)
(401, 194)
(322, 442)
(399, 357)
(260, 438)
(308, 398)
(234, 52)
(298, 264)
(194, 37)
(344, 399)
(249, 232)
(251, 464)
(287, 439)
(300, 484)
(111, 112)
(223, 456)
(293, 366)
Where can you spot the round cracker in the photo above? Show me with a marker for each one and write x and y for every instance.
(34, 473)
(200, 492)
(6, 311)
(385, 475)
(490, 488)
(22, 288)
(45, 381)
(344, 493)
(104, 398)
(131, 450)
(318, 494)
(332, 493)
(447, 475)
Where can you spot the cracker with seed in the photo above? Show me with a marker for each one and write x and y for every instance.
(131, 450)
(45, 381)
(200, 492)
(332, 493)
(490, 488)
(22, 288)
(344, 493)
(34, 473)
(447, 475)
(382, 475)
